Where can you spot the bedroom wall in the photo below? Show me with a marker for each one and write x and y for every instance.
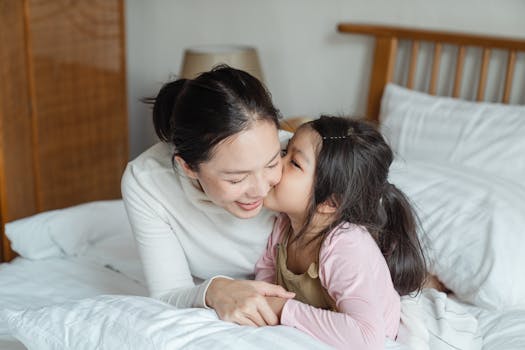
(309, 67)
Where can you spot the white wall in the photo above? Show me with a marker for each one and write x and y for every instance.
(309, 67)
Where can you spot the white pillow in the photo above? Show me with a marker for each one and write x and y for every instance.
(485, 136)
(118, 253)
(131, 322)
(67, 231)
(474, 230)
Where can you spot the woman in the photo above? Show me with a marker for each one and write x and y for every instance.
(195, 199)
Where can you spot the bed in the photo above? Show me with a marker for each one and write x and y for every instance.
(77, 281)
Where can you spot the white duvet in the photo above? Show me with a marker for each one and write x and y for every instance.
(96, 299)
(74, 303)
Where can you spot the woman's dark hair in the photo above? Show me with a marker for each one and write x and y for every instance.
(196, 114)
(352, 166)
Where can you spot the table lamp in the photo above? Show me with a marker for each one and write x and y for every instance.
(203, 58)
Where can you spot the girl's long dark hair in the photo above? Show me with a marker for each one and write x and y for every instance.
(352, 167)
(196, 114)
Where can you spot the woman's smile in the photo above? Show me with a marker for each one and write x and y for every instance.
(250, 206)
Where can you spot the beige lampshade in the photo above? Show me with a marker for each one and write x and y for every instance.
(203, 58)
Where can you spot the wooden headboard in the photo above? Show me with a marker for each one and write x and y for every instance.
(63, 118)
(386, 56)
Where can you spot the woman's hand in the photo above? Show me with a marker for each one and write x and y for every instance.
(244, 302)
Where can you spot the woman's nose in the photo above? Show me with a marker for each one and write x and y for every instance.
(259, 187)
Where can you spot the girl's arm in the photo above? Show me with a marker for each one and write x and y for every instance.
(355, 327)
(347, 272)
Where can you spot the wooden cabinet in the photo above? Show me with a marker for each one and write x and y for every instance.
(63, 119)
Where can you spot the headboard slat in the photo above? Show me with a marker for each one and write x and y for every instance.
(382, 73)
(483, 74)
(508, 76)
(435, 69)
(413, 64)
(458, 76)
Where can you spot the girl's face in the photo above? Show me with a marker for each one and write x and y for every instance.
(292, 194)
(243, 168)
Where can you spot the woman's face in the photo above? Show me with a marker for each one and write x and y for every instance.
(243, 168)
(292, 194)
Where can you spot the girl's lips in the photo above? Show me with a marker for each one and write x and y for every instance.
(250, 206)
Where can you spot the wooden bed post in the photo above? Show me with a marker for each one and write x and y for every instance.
(382, 73)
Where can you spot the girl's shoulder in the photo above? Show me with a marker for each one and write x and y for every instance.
(280, 226)
(348, 237)
(347, 232)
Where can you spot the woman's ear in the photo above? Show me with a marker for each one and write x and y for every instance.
(329, 206)
(186, 168)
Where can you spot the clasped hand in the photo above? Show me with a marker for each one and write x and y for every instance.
(251, 303)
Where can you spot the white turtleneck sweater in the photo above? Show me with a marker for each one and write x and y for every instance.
(184, 240)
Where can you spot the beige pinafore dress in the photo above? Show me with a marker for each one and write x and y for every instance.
(306, 286)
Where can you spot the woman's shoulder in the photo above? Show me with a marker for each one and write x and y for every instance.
(157, 156)
(151, 171)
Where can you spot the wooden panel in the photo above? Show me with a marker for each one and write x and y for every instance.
(17, 191)
(382, 73)
(77, 60)
(63, 118)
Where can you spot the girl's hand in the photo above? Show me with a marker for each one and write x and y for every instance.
(277, 305)
(244, 302)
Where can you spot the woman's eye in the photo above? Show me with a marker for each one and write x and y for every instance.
(235, 181)
(283, 152)
(271, 166)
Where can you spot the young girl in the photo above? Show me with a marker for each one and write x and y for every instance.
(346, 242)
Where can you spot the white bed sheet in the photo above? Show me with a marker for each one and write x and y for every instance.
(25, 283)
(503, 330)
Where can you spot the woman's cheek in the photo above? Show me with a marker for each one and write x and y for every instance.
(276, 175)
(234, 192)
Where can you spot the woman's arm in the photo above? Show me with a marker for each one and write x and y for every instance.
(163, 260)
(169, 277)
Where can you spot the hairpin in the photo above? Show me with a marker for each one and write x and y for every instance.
(349, 132)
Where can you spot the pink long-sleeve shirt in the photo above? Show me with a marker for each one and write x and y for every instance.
(354, 272)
